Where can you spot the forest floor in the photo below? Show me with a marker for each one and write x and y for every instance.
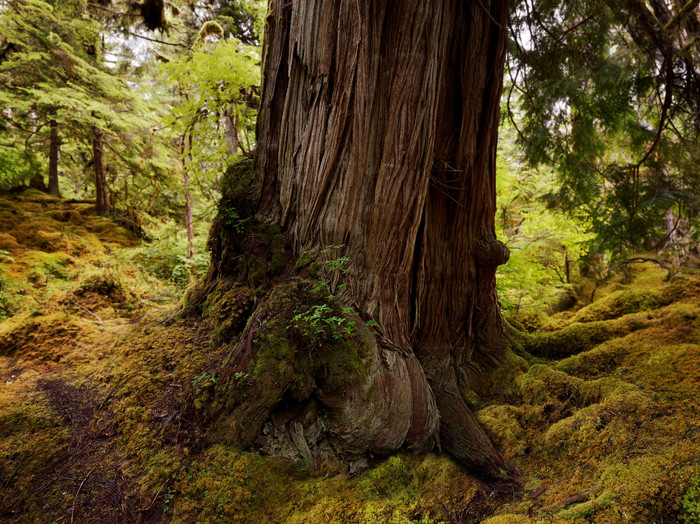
(101, 389)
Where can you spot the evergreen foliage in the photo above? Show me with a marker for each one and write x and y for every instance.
(609, 95)
(544, 243)
(56, 69)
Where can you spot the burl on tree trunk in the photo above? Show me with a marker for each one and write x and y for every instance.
(377, 133)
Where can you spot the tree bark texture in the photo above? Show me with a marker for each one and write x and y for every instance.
(377, 133)
(54, 149)
(101, 191)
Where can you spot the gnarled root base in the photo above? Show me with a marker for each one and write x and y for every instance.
(289, 390)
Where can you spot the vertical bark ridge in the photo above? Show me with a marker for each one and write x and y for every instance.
(378, 131)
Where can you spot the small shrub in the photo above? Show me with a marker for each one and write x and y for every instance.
(690, 504)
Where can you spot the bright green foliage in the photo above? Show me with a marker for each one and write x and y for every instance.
(544, 244)
(214, 89)
(164, 256)
(690, 505)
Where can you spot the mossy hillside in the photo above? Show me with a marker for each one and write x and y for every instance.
(608, 433)
(65, 302)
(31, 433)
(46, 256)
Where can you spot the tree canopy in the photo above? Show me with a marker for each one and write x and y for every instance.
(608, 93)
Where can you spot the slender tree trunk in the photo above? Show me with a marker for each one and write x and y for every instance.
(231, 132)
(54, 148)
(101, 192)
(187, 160)
(378, 131)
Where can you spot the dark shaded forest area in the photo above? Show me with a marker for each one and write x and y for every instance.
(349, 262)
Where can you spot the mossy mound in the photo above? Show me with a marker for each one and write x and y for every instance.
(125, 419)
(604, 426)
(41, 337)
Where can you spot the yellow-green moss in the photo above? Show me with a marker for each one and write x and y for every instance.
(111, 233)
(49, 337)
(618, 420)
(542, 383)
(226, 309)
(502, 424)
(31, 434)
(622, 302)
(578, 337)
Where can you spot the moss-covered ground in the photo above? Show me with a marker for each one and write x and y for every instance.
(104, 395)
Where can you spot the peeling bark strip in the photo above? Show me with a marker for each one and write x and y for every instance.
(378, 132)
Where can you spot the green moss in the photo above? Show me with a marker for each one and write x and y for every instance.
(226, 309)
(49, 337)
(690, 504)
(391, 477)
(578, 337)
(588, 510)
(502, 424)
(111, 233)
(600, 428)
(239, 179)
(509, 519)
(9, 243)
(622, 302)
(31, 435)
(543, 384)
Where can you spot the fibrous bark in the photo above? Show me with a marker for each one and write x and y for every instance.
(377, 133)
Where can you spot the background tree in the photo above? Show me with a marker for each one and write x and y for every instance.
(609, 94)
(55, 83)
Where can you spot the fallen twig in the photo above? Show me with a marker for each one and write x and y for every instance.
(86, 310)
(538, 492)
(580, 497)
(72, 512)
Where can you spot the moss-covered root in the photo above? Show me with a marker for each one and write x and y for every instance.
(578, 337)
(292, 390)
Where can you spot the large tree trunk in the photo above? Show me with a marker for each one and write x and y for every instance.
(377, 132)
(54, 148)
(101, 192)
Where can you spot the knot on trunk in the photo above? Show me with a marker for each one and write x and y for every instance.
(490, 252)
